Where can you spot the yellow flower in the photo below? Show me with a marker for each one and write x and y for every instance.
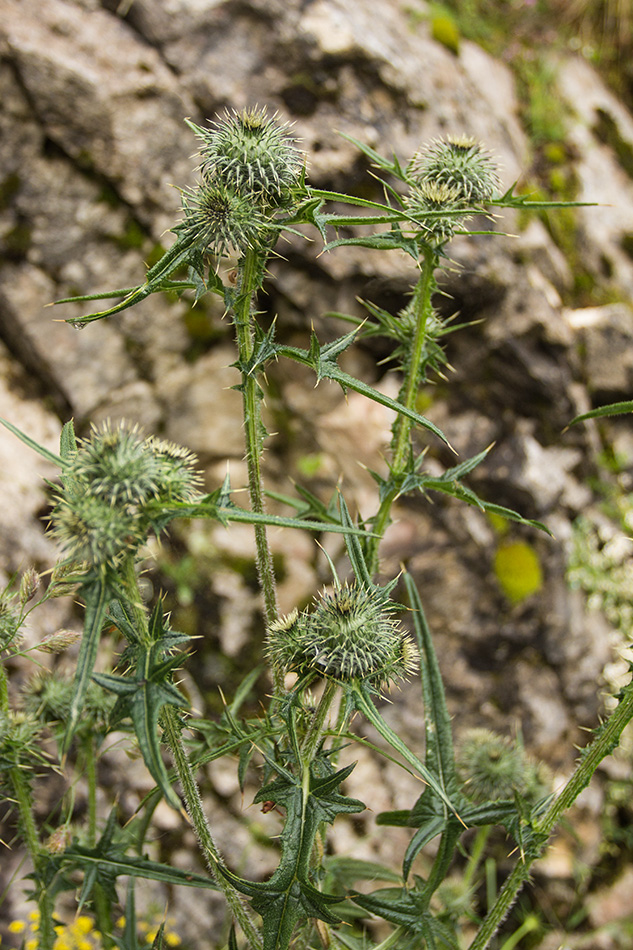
(83, 924)
(32, 944)
(17, 927)
(172, 939)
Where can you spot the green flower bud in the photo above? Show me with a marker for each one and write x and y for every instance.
(48, 698)
(351, 634)
(90, 530)
(219, 219)
(252, 154)
(492, 766)
(116, 465)
(176, 475)
(435, 207)
(459, 162)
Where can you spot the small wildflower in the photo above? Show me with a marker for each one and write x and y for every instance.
(351, 634)
(459, 162)
(17, 927)
(83, 924)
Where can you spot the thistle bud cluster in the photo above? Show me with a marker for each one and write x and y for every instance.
(350, 634)
(448, 177)
(103, 512)
(250, 168)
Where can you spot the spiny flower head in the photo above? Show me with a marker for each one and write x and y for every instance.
(91, 530)
(177, 478)
(219, 218)
(115, 463)
(48, 698)
(459, 162)
(350, 634)
(494, 767)
(435, 206)
(102, 512)
(253, 154)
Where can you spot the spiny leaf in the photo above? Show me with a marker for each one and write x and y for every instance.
(289, 896)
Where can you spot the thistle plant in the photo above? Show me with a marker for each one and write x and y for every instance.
(331, 663)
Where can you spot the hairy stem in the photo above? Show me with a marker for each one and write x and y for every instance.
(4, 690)
(91, 778)
(22, 793)
(209, 849)
(602, 746)
(401, 442)
(315, 730)
(249, 280)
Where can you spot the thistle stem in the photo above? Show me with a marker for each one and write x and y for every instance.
(22, 793)
(250, 270)
(91, 777)
(210, 851)
(401, 442)
(602, 746)
(4, 690)
(315, 730)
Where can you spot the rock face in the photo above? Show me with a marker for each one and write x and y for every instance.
(93, 97)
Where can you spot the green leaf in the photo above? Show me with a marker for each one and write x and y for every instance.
(354, 549)
(449, 485)
(359, 695)
(32, 444)
(289, 896)
(207, 507)
(156, 279)
(113, 862)
(332, 371)
(439, 755)
(393, 166)
(613, 409)
(143, 695)
(97, 593)
(393, 240)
